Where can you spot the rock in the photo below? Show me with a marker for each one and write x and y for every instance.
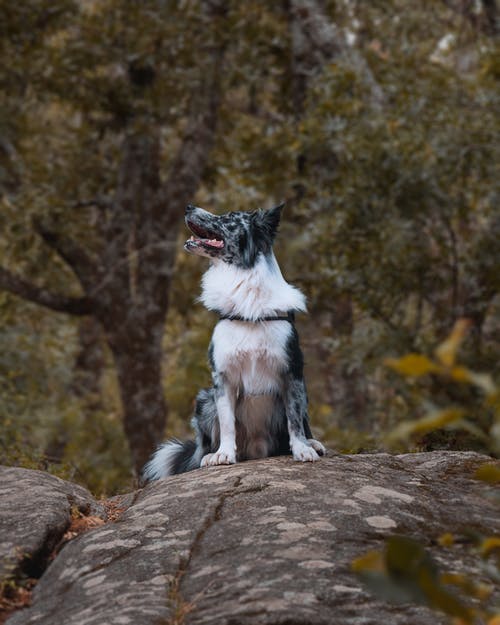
(35, 512)
(264, 542)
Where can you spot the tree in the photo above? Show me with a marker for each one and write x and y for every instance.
(125, 269)
(403, 189)
(377, 123)
(374, 120)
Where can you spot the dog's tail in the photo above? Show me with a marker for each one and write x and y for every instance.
(171, 458)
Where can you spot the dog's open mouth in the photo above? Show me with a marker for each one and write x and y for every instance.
(203, 237)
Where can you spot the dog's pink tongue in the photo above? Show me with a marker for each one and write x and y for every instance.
(214, 243)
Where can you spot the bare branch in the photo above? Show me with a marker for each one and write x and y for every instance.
(80, 262)
(161, 208)
(32, 293)
(119, 230)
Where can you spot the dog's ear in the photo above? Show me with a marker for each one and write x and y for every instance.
(272, 217)
(269, 220)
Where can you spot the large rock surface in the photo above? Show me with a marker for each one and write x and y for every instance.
(35, 511)
(262, 542)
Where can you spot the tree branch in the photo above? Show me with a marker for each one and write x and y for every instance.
(78, 260)
(159, 208)
(128, 203)
(32, 293)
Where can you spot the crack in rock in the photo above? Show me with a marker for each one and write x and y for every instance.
(179, 606)
(210, 520)
(214, 548)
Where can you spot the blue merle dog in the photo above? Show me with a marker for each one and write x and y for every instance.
(257, 406)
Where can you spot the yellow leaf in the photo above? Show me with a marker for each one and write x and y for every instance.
(494, 620)
(447, 351)
(460, 374)
(489, 544)
(481, 380)
(453, 578)
(484, 382)
(478, 590)
(373, 561)
(483, 592)
(446, 540)
(433, 421)
(412, 365)
(488, 472)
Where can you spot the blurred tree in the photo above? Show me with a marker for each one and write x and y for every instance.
(402, 187)
(377, 121)
(316, 42)
(96, 69)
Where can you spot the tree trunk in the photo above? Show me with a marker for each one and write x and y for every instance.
(85, 384)
(138, 365)
(125, 286)
(89, 363)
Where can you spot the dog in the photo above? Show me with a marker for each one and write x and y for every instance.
(257, 406)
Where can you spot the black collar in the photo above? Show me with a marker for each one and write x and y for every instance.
(290, 317)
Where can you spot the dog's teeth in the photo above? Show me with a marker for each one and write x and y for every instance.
(214, 242)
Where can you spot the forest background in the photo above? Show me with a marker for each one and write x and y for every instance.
(376, 121)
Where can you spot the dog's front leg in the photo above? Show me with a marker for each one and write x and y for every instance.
(225, 400)
(295, 397)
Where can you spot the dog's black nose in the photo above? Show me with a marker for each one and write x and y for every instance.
(190, 208)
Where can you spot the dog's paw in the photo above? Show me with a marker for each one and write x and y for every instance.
(219, 457)
(304, 452)
(205, 461)
(317, 446)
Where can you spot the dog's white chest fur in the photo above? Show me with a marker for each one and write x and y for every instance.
(250, 293)
(252, 357)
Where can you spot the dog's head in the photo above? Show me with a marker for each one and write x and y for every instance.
(236, 238)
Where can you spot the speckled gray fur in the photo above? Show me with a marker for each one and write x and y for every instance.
(257, 406)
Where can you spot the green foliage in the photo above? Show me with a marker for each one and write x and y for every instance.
(391, 227)
(480, 413)
(405, 573)
(96, 452)
(33, 351)
(400, 206)
(43, 424)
